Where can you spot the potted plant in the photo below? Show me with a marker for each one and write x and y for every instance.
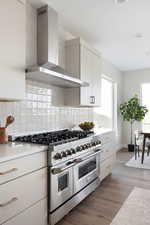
(132, 111)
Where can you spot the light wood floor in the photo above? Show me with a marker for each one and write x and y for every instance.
(102, 205)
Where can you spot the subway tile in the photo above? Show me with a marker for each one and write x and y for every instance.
(36, 113)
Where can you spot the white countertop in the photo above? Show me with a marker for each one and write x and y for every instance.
(100, 131)
(14, 150)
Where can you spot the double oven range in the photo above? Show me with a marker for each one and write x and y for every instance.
(73, 168)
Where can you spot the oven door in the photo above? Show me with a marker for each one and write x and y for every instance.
(61, 185)
(86, 171)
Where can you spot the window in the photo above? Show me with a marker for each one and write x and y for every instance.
(107, 98)
(146, 101)
(106, 115)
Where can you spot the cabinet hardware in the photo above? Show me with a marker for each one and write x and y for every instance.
(97, 150)
(60, 170)
(92, 99)
(9, 171)
(9, 202)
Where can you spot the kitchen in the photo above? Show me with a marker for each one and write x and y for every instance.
(50, 164)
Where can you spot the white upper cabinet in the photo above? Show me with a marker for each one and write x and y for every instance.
(84, 63)
(12, 49)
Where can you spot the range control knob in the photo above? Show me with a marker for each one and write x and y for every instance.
(58, 156)
(86, 146)
(82, 147)
(73, 150)
(63, 154)
(78, 148)
(94, 143)
(90, 145)
(68, 152)
(98, 142)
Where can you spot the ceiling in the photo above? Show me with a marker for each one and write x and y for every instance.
(111, 28)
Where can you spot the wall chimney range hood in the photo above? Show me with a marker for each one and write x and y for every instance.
(47, 69)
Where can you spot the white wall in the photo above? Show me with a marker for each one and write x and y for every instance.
(132, 85)
(113, 73)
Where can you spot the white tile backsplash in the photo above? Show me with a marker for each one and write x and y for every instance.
(36, 113)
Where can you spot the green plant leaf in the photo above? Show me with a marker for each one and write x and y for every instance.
(132, 111)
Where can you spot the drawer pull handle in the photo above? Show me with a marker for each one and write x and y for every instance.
(9, 171)
(9, 202)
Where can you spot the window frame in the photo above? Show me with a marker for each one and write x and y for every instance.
(141, 102)
(114, 102)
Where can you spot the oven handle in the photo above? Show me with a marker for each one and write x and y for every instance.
(95, 152)
(76, 161)
(60, 170)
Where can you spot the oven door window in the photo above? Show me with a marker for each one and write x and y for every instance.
(63, 182)
(87, 168)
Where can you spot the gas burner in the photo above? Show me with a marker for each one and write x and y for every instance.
(53, 138)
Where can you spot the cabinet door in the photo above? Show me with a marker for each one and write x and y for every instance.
(36, 215)
(91, 73)
(96, 81)
(86, 59)
(106, 166)
(12, 49)
(21, 193)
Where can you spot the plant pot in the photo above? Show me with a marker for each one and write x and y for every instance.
(130, 148)
(3, 136)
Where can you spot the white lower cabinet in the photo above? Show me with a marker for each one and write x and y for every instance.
(108, 154)
(21, 166)
(106, 166)
(22, 193)
(35, 215)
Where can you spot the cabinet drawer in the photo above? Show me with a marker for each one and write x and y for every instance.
(106, 166)
(107, 151)
(107, 138)
(105, 169)
(113, 160)
(18, 167)
(36, 215)
(21, 193)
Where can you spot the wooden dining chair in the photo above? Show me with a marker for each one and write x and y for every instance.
(139, 138)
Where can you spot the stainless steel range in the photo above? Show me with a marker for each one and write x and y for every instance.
(73, 168)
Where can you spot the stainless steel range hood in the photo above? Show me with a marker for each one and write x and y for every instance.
(54, 77)
(47, 69)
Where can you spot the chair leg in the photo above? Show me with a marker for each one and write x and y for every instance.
(138, 151)
(143, 151)
(135, 151)
(148, 151)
